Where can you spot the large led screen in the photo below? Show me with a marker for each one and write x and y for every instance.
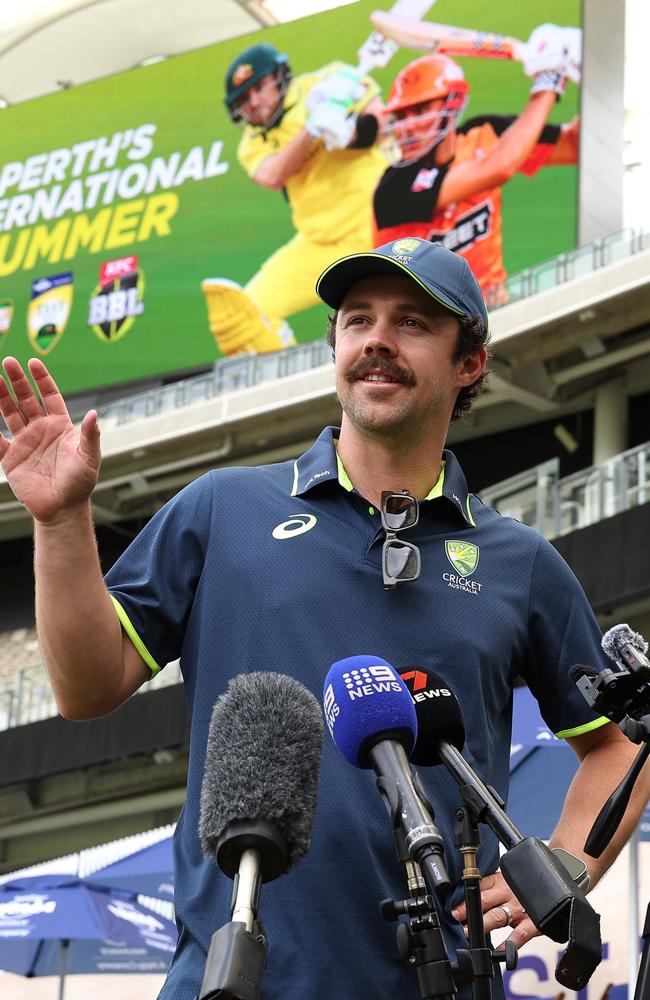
(146, 228)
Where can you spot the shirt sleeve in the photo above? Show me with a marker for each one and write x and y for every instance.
(154, 581)
(563, 632)
(253, 149)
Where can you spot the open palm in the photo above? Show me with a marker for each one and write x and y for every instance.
(50, 466)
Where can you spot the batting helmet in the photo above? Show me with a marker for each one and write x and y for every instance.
(251, 66)
(429, 78)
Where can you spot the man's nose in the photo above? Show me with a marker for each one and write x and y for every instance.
(380, 340)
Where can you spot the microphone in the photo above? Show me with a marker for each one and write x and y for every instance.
(622, 695)
(370, 715)
(538, 876)
(627, 648)
(438, 713)
(441, 737)
(258, 801)
(262, 765)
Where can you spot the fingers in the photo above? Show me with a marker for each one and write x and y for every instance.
(509, 914)
(523, 932)
(501, 909)
(27, 400)
(23, 403)
(49, 392)
(8, 406)
(89, 438)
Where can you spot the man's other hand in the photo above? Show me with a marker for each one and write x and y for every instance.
(51, 466)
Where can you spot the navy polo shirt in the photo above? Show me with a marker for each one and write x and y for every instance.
(279, 568)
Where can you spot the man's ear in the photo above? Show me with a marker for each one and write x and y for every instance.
(472, 367)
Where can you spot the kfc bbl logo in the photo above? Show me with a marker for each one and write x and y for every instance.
(117, 300)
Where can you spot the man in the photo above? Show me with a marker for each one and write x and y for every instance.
(313, 138)
(446, 186)
(280, 568)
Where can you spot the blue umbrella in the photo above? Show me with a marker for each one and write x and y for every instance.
(147, 872)
(36, 911)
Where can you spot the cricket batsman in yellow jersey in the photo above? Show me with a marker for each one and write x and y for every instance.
(314, 137)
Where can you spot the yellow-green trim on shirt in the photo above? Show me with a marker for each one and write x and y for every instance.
(346, 482)
(436, 491)
(579, 730)
(344, 479)
(134, 637)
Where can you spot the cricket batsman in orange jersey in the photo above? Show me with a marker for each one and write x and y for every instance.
(446, 186)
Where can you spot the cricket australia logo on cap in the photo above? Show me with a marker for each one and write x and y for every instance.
(242, 73)
(463, 556)
(402, 248)
(405, 246)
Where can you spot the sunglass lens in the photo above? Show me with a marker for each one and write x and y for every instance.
(400, 511)
(402, 561)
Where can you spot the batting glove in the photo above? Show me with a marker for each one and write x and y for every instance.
(328, 122)
(343, 87)
(553, 55)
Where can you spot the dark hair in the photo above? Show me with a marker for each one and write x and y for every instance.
(472, 335)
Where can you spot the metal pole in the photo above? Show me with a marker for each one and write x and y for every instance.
(65, 945)
(633, 913)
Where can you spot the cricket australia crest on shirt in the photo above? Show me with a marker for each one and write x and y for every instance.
(463, 556)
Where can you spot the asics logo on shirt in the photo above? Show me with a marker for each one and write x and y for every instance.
(298, 524)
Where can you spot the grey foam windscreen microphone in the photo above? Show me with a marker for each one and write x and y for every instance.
(619, 636)
(262, 766)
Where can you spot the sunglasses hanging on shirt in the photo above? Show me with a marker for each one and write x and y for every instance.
(400, 560)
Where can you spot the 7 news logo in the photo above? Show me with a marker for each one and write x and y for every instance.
(417, 682)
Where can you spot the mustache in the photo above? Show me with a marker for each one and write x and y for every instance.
(384, 366)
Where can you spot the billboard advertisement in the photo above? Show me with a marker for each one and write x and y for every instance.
(148, 226)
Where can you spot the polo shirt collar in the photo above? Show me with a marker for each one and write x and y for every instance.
(321, 463)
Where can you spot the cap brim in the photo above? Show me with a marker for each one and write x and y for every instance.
(338, 278)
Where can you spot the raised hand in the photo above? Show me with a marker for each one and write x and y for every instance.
(51, 466)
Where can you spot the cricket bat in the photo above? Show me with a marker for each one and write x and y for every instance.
(426, 36)
(378, 49)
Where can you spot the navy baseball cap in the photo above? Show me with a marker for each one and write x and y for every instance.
(443, 274)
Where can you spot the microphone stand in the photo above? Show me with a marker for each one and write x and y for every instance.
(250, 852)
(554, 902)
(419, 938)
(483, 958)
(237, 953)
(607, 822)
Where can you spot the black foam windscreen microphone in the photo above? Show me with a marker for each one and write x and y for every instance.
(579, 670)
(440, 719)
(262, 766)
(441, 737)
